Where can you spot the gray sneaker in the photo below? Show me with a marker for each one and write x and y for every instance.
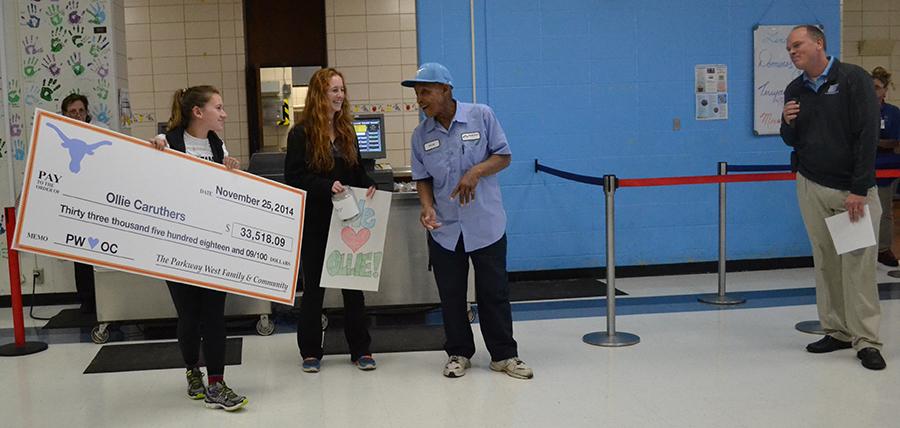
(456, 366)
(513, 367)
(220, 396)
(195, 389)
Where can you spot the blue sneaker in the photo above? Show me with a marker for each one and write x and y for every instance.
(311, 365)
(366, 362)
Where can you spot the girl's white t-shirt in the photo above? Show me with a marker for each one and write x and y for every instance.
(198, 147)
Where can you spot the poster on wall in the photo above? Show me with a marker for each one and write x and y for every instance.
(711, 85)
(772, 71)
(355, 248)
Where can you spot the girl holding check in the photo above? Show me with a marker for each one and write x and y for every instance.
(197, 118)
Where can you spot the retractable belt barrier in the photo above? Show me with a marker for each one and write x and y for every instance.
(610, 183)
(19, 346)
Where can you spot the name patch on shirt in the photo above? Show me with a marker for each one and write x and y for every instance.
(833, 89)
(431, 145)
(471, 136)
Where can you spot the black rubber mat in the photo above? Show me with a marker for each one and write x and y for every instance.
(557, 289)
(409, 338)
(889, 290)
(152, 356)
(71, 318)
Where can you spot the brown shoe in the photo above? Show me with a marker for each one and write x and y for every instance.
(887, 258)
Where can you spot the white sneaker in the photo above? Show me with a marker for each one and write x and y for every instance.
(456, 366)
(513, 367)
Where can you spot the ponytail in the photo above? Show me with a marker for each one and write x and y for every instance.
(184, 101)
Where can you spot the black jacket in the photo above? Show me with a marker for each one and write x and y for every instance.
(836, 132)
(175, 138)
(297, 173)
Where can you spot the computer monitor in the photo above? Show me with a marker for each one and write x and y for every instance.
(370, 135)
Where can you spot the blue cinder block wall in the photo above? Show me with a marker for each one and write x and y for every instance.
(593, 87)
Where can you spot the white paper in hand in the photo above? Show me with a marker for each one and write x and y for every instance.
(849, 236)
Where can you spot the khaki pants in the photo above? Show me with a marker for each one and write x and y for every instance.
(886, 230)
(846, 292)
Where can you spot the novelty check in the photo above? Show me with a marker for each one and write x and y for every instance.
(103, 198)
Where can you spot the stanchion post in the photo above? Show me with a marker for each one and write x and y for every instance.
(811, 327)
(20, 346)
(610, 338)
(721, 298)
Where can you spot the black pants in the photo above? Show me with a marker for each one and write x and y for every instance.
(451, 271)
(309, 326)
(201, 322)
(84, 286)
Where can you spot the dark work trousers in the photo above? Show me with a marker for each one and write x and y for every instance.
(309, 326)
(84, 286)
(451, 271)
(201, 321)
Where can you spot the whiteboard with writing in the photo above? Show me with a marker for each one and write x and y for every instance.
(772, 71)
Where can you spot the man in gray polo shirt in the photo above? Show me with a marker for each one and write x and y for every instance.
(456, 153)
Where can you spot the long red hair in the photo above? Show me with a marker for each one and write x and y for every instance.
(316, 119)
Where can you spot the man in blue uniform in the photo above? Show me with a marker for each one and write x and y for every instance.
(456, 155)
(886, 158)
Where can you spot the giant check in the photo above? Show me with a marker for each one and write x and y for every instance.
(99, 197)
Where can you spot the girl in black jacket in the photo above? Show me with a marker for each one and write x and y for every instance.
(197, 117)
(322, 158)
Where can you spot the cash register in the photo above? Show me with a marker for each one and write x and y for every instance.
(371, 140)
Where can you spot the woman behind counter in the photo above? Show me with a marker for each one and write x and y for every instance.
(886, 158)
(197, 118)
(322, 159)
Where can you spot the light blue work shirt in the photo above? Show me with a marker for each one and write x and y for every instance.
(819, 80)
(445, 155)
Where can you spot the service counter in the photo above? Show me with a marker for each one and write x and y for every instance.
(405, 280)
(123, 296)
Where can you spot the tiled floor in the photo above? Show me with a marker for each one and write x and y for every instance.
(696, 368)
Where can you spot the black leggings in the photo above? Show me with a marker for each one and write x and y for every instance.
(201, 318)
(84, 286)
(309, 326)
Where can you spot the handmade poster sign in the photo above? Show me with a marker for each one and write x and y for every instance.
(355, 248)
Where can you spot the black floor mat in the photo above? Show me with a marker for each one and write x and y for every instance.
(557, 289)
(152, 356)
(408, 338)
(71, 318)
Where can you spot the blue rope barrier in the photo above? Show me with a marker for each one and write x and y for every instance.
(757, 168)
(587, 179)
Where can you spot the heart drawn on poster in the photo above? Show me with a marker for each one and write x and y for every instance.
(355, 239)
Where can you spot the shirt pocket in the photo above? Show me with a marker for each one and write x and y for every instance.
(437, 163)
(474, 150)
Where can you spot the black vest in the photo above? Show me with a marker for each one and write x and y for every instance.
(175, 138)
